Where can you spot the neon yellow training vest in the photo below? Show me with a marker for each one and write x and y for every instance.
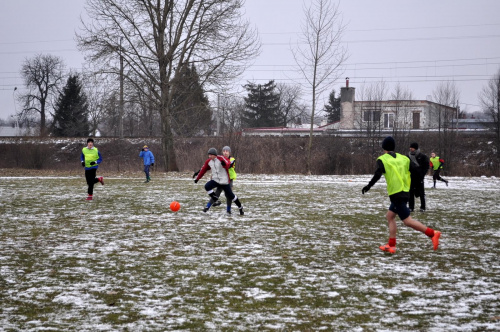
(397, 173)
(435, 162)
(90, 155)
(232, 172)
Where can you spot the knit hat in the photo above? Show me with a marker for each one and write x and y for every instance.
(145, 147)
(226, 148)
(389, 144)
(414, 145)
(212, 151)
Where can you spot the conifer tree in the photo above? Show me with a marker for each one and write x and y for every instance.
(70, 118)
(333, 109)
(262, 105)
(191, 113)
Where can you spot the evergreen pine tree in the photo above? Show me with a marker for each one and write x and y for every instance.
(70, 118)
(333, 108)
(261, 106)
(191, 113)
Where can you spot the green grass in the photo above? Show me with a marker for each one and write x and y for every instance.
(304, 257)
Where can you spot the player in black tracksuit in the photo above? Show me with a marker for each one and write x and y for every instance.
(421, 166)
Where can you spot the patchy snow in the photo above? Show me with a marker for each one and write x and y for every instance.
(303, 257)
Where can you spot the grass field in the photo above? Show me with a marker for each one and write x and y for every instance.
(303, 257)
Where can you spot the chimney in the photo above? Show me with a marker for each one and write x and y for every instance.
(347, 82)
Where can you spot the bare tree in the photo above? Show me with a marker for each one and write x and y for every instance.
(289, 108)
(97, 88)
(447, 97)
(229, 112)
(489, 97)
(43, 75)
(155, 39)
(320, 59)
(369, 112)
(401, 124)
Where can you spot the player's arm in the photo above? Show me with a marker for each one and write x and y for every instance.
(224, 162)
(425, 166)
(202, 171)
(376, 176)
(99, 160)
(441, 161)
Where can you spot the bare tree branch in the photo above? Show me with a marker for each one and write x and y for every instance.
(320, 61)
(156, 38)
(43, 75)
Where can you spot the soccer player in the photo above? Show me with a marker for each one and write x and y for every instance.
(91, 158)
(149, 160)
(219, 166)
(421, 165)
(396, 169)
(226, 152)
(437, 165)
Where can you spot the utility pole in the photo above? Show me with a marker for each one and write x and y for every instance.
(15, 116)
(121, 91)
(218, 114)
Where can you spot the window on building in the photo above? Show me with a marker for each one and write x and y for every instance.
(371, 116)
(416, 120)
(389, 120)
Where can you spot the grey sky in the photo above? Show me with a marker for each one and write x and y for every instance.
(416, 43)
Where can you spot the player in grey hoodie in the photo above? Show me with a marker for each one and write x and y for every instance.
(219, 166)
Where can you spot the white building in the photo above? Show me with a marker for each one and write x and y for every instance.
(392, 114)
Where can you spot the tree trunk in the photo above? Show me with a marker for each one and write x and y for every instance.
(43, 131)
(167, 142)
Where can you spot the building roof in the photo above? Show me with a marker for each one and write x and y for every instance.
(9, 131)
(404, 103)
(274, 131)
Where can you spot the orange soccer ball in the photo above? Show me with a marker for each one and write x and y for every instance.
(175, 206)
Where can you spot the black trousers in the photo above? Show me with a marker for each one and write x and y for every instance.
(436, 176)
(417, 189)
(219, 191)
(90, 176)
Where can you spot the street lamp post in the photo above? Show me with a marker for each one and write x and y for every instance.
(14, 117)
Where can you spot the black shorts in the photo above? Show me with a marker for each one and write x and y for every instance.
(400, 207)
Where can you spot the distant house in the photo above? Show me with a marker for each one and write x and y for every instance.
(390, 114)
(384, 115)
(7, 131)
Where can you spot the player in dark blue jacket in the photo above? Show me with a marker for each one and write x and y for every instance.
(149, 160)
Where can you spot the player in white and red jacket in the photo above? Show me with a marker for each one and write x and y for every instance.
(219, 166)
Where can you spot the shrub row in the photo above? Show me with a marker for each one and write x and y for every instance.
(465, 155)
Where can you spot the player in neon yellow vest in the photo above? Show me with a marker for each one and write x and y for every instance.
(437, 165)
(91, 158)
(396, 170)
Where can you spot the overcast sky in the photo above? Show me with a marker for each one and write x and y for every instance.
(417, 43)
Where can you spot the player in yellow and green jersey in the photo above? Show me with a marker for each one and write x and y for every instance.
(90, 159)
(437, 165)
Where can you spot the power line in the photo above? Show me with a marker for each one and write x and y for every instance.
(41, 51)
(287, 44)
(353, 80)
(398, 62)
(393, 29)
(395, 40)
(36, 42)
